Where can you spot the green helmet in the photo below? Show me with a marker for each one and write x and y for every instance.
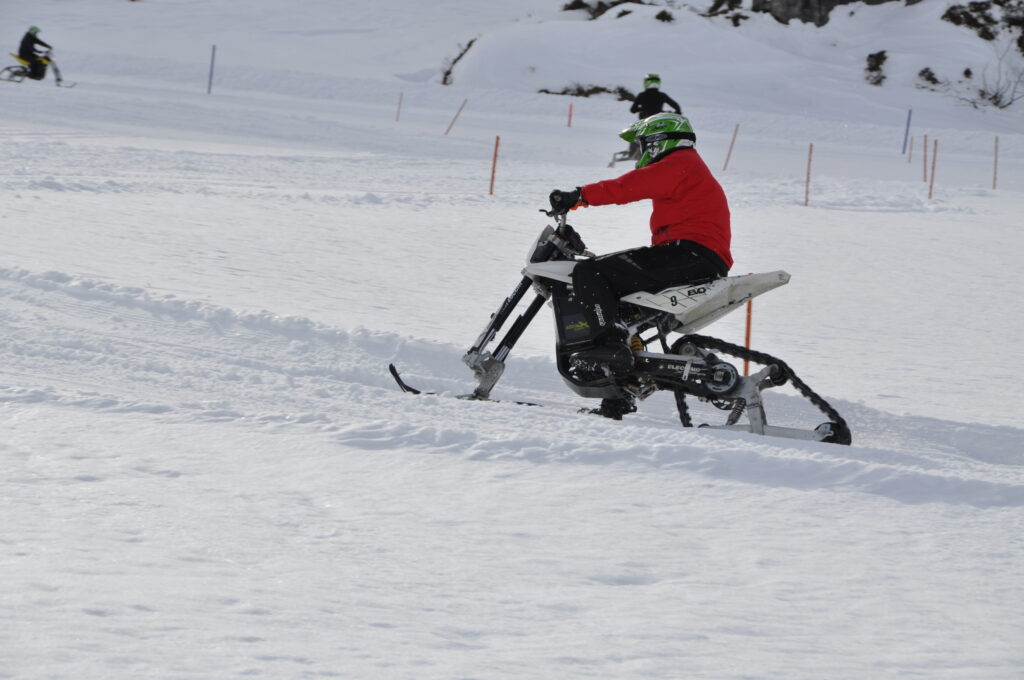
(33, 29)
(659, 134)
(652, 80)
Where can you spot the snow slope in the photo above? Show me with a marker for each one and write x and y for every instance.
(210, 473)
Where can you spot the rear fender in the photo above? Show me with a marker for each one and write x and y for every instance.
(696, 306)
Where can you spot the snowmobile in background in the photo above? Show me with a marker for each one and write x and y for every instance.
(688, 365)
(22, 70)
(630, 154)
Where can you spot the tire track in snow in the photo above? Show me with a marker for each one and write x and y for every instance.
(86, 343)
(91, 345)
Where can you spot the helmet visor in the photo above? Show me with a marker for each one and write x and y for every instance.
(655, 144)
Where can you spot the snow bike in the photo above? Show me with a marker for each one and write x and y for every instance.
(688, 366)
(23, 69)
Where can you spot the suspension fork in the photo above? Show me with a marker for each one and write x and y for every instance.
(488, 366)
(498, 318)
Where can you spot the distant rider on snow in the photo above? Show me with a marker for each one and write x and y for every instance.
(37, 69)
(690, 234)
(649, 102)
(652, 100)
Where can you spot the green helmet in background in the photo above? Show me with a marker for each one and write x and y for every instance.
(33, 29)
(659, 134)
(652, 80)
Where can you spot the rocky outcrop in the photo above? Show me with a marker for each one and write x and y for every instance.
(811, 11)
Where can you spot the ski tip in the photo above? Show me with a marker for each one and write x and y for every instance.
(401, 383)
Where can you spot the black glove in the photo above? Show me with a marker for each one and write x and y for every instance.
(564, 201)
(573, 239)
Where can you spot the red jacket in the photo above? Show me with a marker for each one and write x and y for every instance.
(689, 203)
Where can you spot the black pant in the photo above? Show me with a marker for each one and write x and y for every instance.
(600, 282)
(36, 68)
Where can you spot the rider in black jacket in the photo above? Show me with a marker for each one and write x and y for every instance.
(652, 100)
(27, 51)
(647, 103)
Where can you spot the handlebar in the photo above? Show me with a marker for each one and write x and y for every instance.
(573, 242)
(559, 216)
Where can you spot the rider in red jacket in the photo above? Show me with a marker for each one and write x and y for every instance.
(688, 201)
(690, 234)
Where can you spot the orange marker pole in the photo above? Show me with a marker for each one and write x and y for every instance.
(925, 152)
(570, 115)
(807, 184)
(731, 144)
(935, 154)
(494, 162)
(750, 313)
(398, 113)
(451, 124)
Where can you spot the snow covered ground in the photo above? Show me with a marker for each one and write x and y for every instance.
(209, 472)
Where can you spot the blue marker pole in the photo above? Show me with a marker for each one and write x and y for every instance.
(213, 58)
(906, 132)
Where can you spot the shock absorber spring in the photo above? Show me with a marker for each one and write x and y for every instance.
(737, 411)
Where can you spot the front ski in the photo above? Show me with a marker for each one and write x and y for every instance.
(406, 387)
(57, 76)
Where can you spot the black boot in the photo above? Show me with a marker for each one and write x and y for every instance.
(612, 356)
(615, 408)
